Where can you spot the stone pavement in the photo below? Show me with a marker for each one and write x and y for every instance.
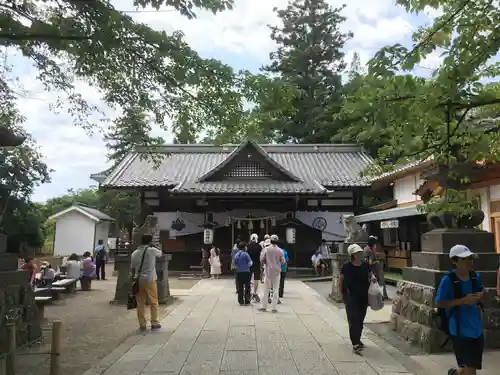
(209, 333)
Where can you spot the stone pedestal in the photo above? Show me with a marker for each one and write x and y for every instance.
(17, 300)
(413, 306)
(124, 282)
(162, 281)
(338, 261)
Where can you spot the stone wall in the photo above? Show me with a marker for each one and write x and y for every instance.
(413, 307)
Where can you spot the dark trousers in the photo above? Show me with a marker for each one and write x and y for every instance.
(243, 286)
(356, 313)
(282, 284)
(100, 269)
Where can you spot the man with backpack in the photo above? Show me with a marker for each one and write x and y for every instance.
(459, 308)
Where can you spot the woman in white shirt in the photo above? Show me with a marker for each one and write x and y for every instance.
(73, 267)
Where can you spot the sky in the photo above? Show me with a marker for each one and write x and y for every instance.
(239, 38)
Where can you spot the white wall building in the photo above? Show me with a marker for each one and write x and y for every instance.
(78, 229)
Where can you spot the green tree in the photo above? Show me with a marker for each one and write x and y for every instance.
(133, 65)
(310, 61)
(447, 116)
(128, 132)
(21, 170)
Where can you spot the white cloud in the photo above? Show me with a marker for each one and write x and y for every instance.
(242, 33)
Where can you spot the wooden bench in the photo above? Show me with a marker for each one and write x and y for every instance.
(68, 284)
(40, 304)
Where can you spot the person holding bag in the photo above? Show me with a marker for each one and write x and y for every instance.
(143, 272)
(355, 281)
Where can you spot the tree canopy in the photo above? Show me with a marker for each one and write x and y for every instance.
(442, 116)
(136, 67)
(308, 62)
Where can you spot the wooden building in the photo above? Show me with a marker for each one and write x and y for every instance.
(244, 189)
(485, 182)
(396, 220)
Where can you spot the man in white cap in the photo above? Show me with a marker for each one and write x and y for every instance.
(354, 283)
(459, 294)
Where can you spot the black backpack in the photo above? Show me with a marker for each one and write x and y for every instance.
(441, 315)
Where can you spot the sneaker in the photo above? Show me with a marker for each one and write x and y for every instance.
(362, 345)
(142, 329)
(274, 311)
(262, 309)
(357, 349)
(155, 326)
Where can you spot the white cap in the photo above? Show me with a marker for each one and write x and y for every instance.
(274, 237)
(267, 242)
(461, 251)
(354, 248)
(254, 237)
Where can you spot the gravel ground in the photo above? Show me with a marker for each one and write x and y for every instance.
(91, 328)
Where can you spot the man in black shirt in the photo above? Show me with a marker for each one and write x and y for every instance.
(354, 283)
(254, 250)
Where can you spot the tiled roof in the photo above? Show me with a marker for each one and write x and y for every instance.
(96, 213)
(90, 212)
(402, 170)
(180, 167)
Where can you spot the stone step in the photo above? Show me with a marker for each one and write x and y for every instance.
(432, 277)
(442, 262)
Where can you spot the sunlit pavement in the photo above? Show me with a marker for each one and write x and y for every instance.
(209, 333)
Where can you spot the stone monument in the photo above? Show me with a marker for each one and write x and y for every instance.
(355, 233)
(413, 307)
(122, 263)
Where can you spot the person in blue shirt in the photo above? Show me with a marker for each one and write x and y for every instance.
(464, 314)
(283, 271)
(242, 263)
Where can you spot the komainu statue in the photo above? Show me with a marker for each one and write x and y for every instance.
(354, 231)
(150, 226)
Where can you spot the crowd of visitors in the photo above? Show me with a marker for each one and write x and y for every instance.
(84, 268)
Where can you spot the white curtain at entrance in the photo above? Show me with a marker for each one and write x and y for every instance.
(193, 222)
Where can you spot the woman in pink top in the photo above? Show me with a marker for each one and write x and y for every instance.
(272, 259)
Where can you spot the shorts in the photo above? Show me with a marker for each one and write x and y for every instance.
(468, 351)
(256, 273)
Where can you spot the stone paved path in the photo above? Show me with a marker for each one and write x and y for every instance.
(209, 333)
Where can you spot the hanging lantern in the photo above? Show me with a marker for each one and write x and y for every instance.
(250, 225)
(290, 235)
(208, 236)
(239, 224)
(262, 224)
(273, 221)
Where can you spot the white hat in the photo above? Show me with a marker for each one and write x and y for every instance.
(266, 236)
(274, 237)
(461, 251)
(354, 248)
(267, 242)
(254, 237)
